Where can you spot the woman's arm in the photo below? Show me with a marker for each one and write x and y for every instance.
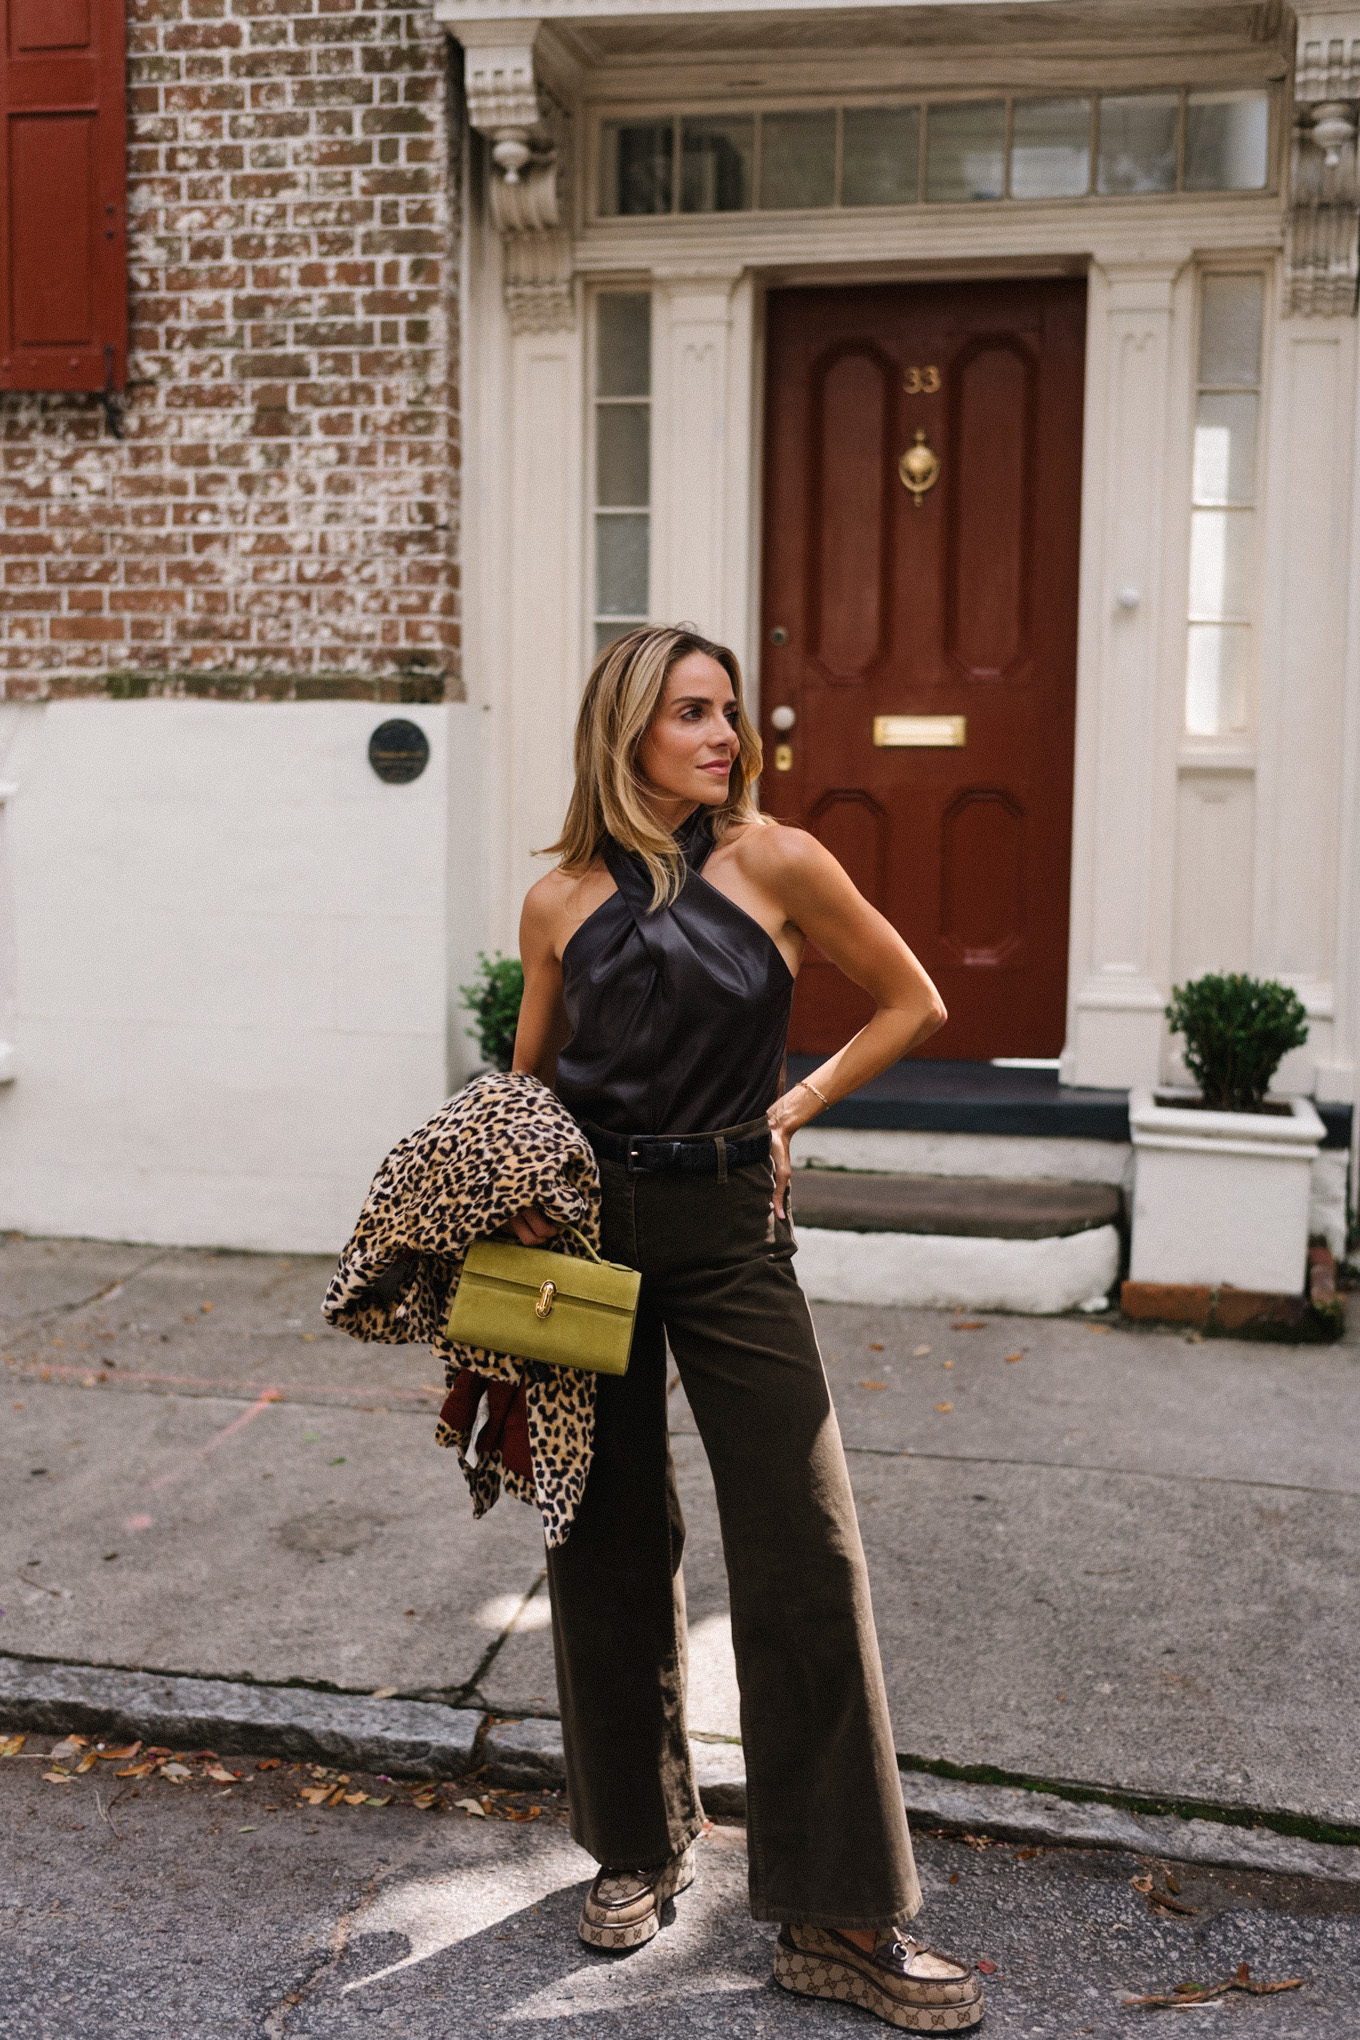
(820, 899)
(543, 1026)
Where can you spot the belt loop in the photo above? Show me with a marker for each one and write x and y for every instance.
(721, 1145)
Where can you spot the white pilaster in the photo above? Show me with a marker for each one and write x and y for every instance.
(1123, 824)
(1300, 767)
(701, 426)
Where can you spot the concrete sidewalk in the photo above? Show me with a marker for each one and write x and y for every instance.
(1122, 1558)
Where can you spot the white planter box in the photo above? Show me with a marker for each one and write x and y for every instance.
(1222, 1197)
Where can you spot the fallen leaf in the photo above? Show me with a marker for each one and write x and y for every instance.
(337, 1795)
(355, 1798)
(248, 1830)
(384, 1693)
(987, 1968)
(123, 1756)
(268, 1763)
(873, 1384)
(919, 1352)
(1173, 1882)
(223, 1777)
(473, 1806)
(69, 1746)
(87, 1762)
(1025, 1855)
(522, 1812)
(315, 1795)
(10, 1745)
(57, 1778)
(1186, 1994)
(370, 1801)
(875, 1347)
(946, 1364)
(944, 1408)
(178, 1774)
(969, 1324)
(1011, 1358)
(136, 1771)
(953, 1877)
(205, 1306)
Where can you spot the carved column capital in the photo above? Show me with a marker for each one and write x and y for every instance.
(529, 132)
(1322, 254)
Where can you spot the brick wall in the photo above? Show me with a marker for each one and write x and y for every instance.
(280, 515)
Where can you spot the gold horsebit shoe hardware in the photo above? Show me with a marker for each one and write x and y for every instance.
(919, 468)
(547, 1296)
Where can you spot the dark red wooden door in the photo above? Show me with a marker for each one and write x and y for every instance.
(885, 605)
(63, 181)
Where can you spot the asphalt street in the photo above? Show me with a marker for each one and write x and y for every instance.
(215, 1907)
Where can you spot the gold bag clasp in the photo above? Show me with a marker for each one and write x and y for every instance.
(547, 1295)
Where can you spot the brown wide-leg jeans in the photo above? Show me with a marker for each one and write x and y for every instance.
(826, 1832)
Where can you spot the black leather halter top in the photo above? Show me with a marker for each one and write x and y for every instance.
(678, 1017)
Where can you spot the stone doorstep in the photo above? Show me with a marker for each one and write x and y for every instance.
(424, 1740)
(974, 1207)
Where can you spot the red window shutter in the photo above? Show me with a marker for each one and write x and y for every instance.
(63, 196)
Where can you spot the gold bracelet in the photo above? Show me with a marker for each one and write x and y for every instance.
(815, 1092)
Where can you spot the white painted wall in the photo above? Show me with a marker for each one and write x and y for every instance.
(233, 972)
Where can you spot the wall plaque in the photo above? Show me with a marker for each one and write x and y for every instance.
(398, 751)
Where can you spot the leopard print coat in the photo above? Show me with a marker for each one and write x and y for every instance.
(501, 1144)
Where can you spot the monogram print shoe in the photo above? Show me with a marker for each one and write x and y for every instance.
(623, 1907)
(903, 1983)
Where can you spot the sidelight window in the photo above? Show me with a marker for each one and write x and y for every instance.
(945, 151)
(623, 439)
(1223, 518)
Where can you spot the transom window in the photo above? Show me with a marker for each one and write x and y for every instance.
(944, 152)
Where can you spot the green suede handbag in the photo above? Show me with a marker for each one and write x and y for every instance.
(544, 1306)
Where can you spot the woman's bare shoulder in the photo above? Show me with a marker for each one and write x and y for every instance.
(777, 853)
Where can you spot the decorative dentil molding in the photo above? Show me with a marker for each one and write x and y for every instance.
(529, 131)
(1322, 252)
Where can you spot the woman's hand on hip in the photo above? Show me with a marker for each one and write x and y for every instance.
(531, 1228)
(781, 1159)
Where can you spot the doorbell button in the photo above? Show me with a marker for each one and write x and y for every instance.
(1128, 598)
(783, 718)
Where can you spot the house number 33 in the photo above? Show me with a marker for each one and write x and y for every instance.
(921, 382)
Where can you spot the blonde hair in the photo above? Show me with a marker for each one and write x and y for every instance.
(622, 695)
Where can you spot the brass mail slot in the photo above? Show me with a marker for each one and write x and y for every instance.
(920, 732)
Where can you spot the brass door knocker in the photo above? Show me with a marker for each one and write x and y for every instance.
(919, 468)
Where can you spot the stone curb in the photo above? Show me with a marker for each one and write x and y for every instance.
(422, 1739)
(1014, 1814)
(410, 1736)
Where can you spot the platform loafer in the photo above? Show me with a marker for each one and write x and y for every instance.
(915, 1988)
(623, 1907)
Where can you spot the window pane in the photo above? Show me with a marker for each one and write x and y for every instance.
(1216, 679)
(881, 155)
(622, 455)
(1226, 136)
(624, 329)
(1222, 550)
(797, 160)
(635, 166)
(1225, 449)
(717, 154)
(965, 151)
(608, 633)
(1230, 330)
(1138, 143)
(1051, 148)
(621, 566)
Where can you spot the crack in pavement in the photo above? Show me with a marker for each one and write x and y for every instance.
(276, 2020)
(109, 1290)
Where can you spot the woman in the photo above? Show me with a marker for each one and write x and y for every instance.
(659, 961)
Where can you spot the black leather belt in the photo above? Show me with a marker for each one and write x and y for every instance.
(646, 1154)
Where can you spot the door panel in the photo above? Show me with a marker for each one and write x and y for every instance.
(958, 600)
